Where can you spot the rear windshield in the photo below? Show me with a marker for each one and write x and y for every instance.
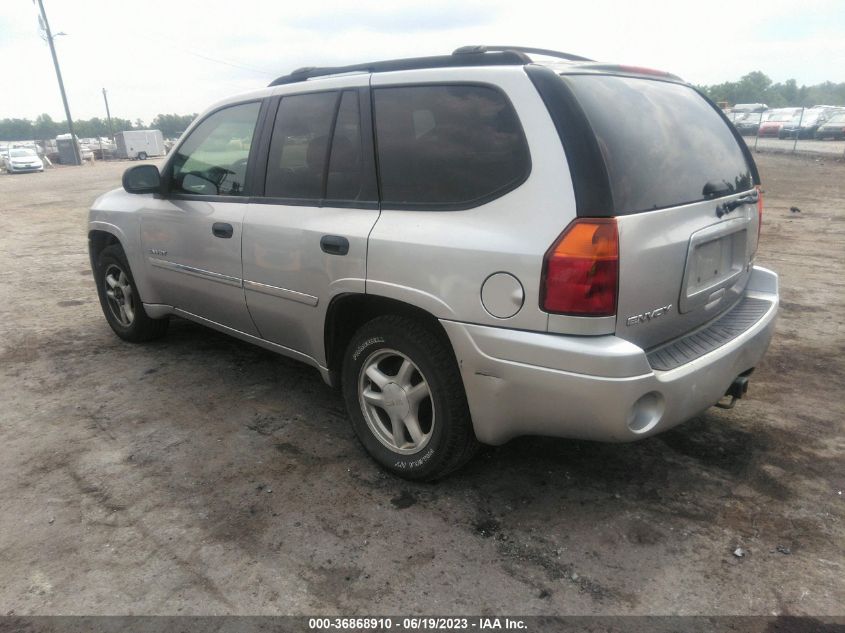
(664, 145)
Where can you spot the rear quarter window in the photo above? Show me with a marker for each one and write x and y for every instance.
(661, 142)
(447, 146)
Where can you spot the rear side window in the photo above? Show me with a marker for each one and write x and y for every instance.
(447, 146)
(300, 146)
(663, 144)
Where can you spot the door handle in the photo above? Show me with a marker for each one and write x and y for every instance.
(334, 244)
(222, 229)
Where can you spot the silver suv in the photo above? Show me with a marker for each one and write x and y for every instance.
(472, 247)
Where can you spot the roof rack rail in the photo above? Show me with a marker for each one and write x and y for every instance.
(494, 58)
(468, 50)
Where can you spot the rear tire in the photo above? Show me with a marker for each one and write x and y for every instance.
(142, 155)
(406, 399)
(120, 300)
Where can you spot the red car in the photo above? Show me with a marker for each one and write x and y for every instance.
(774, 120)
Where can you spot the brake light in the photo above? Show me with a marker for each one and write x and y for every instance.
(759, 215)
(581, 269)
(642, 70)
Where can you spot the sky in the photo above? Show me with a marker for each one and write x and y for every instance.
(179, 56)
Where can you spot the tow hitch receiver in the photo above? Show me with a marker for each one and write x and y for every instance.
(737, 390)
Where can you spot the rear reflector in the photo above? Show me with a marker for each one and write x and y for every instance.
(581, 269)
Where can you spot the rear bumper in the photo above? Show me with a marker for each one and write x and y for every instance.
(599, 387)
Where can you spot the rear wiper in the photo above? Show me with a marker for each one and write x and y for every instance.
(727, 207)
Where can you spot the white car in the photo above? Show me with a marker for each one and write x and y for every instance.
(20, 159)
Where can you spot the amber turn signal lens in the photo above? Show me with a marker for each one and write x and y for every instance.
(581, 269)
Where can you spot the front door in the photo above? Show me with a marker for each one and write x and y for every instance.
(192, 236)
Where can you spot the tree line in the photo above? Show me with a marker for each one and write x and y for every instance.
(756, 87)
(44, 127)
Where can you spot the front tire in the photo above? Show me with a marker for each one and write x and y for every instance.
(120, 300)
(406, 400)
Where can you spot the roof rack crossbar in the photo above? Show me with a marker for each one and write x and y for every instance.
(468, 50)
(495, 58)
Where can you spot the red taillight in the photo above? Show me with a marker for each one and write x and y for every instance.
(581, 269)
(759, 215)
(642, 70)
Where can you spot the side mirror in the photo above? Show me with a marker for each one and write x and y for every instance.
(142, 179)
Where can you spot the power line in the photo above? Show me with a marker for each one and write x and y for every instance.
(158, 40)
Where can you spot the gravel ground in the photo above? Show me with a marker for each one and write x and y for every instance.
(202, 475)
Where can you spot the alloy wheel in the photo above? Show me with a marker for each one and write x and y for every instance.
(396, 401)
(120, 295)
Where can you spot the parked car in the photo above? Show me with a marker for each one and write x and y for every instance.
(749, 107)
(774, 120)
(748, 123)
(22, 159)
(833, 128)
(472, 247)
(805, 126)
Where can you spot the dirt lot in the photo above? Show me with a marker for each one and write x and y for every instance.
(200, 474)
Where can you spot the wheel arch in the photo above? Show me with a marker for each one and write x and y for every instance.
(349, 311)
(102, 234)
(99, 239)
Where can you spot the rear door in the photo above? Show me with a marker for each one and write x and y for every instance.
(305, 234)
(682, 189)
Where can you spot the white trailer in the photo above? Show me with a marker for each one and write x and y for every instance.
(140, 144)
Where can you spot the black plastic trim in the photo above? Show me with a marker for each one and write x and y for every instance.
(310, 202)
(593, 197)
(504, 58)
(492, 48)
(725, 328)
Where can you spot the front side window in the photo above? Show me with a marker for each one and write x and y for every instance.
(213, 159)
(447, 145)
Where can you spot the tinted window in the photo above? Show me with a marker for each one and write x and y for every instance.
(300, 145)
(213, 159)
(447, 145)
(344, 178)
(310, 160)
(662, 142)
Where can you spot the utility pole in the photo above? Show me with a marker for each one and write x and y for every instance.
(61, 83)
(108, 114)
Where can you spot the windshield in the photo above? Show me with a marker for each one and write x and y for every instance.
(662, 142)
(20, 153)
(837, 118)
